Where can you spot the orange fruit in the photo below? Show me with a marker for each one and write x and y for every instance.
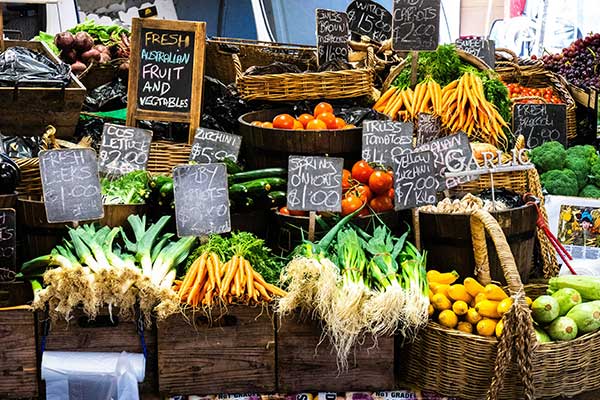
(329, 119)
(349, 126)
(321, 108)
(256, 123)
(305, 119)
(339, 123)
(298, 125)
(316, 125)
(267, 125)
(283, 121)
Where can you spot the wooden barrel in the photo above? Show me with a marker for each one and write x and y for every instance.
(265, 147)
(447, 239)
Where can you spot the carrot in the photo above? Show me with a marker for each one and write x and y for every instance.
(275, 290)
(217, 265)
(243, 277)
(190, 276)
(229, 273)
(198, 281)
(249, 279)
(396, 107)
(211, 272)
(237, 288)
(385, 96)
(390, 102)
(263, 292)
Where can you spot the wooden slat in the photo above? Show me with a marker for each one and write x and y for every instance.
(233, 355)
(18, 365)
(304, 365)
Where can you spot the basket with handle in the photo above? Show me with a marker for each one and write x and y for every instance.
(472, 367)
(341, 84)
(532, 75)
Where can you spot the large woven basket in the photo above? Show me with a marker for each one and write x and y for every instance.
(472, 367)
(532, 75)
(251, 53)
(165, 155)
(307, 85)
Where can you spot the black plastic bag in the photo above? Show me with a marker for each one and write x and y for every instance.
(20, 146)
(24, 67)
(222, 106)
(108, 97)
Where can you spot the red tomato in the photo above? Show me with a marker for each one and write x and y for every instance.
(361, 171)
(305, 119)
(391, 193)
(329, 120)
(346, 180)
(284, 211)
(339, 123)
(321, 108)
(381, 204)
(363, 192)
(380, 182)
(350, 203)
(283, 121)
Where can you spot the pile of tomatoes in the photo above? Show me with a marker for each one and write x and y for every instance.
(322, 119)
(547, 93)
(367, 184)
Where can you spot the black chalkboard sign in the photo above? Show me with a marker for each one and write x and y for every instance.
(451, 153)
(480, 47)
(367, 18)
(201, 199)
(383, 141)
(8, 244)
(71, 185)
(314, 183)
(415, 24)
(332, 35)
(165, 75)
(429, 127)
(212, 146)
(540, 123)
(414, 183)
(123, 149)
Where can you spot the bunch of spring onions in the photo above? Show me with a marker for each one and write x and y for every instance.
(358, 284)
(91, 269)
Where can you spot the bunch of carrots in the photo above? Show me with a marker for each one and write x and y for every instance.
(461, 105)
(209, 280)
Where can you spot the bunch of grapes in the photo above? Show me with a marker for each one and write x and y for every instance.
(579, 63)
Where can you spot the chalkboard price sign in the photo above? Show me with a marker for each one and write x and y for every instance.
(383, 141)
(367, 18)
(450, 153)
(213, 146)
(124, 149)
(429, 128)
(314, 183)
(414, 183)
(166, 72)
(332, 35)
(201, 199)
(479, 47)
(8, 244)
(71, 185)
(415, 24)
(540, 123)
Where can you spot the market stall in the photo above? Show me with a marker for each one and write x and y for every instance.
(373, 216)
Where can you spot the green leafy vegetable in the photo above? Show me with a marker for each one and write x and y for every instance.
(131, 188)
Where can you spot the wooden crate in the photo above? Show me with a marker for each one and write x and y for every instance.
(18, 364)
(81, 334)
(304, 365)
(233, 354)
(27, 111)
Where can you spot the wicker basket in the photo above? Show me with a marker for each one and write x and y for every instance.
(533, 75)
(458, 364)
(253, 52)
(99, 74)
(165, 155)
(308, 85)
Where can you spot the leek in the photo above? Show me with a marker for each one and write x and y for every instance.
(171, 256)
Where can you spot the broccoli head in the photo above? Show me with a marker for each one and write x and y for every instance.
(591, 191)
(562, 182)
(549, 156)
(584, 151)
(581, 167)
(595, 174)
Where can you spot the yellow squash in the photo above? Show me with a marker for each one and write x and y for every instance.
(488, 309)
(465, 327)
(494, 292)
(448, 319)
(473, 287)
(504, 306)
(487, 327)
(473, 316)
(458, 292)
(460, 307)
(441, 302)
(439, 277)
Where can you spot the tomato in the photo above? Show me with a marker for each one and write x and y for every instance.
(256, 123)
(340, 123)
(316, 125)
(284, 211)
(361, 171)
(283, 121)
(298, 125)
(305, 119)
(350, 203)
(267, 125)
(349, 126)
(381, 204)
(329, 120)
(363, 192)
(321, 108)
(380, 182)
(346, 180)
(391, 193)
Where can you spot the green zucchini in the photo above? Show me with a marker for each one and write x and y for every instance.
(160, 180)
(257, 187)
(166, 189)
(257, 174)
(277, 198)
